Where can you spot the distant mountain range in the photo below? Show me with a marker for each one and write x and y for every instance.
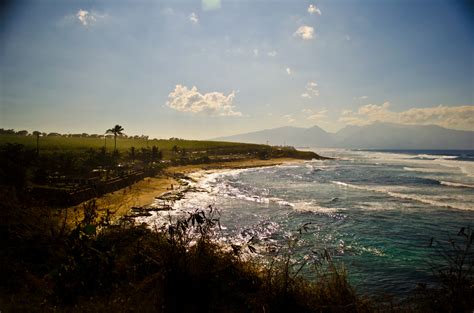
(374, 136)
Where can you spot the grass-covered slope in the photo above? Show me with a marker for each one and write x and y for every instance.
(169, 147)
(61, 143)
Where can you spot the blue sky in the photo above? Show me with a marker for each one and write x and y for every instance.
(202, 69)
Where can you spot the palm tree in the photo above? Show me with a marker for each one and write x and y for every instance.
(117, 130)
(37, 134)
(175, 149)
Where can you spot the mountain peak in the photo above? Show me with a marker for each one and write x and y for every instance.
(379, 135)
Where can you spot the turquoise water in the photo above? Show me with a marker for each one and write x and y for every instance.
(373, 211)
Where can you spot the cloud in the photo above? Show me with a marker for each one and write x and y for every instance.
(304, 32)
(289, 118)
(84, 17)
(272, 53)
(193, 18)
(455, 117)
(209, 5)
(255, 52)
(314, 116)
(348, 38)
(311, 90)
(458, 117)
(317, 116)
(288, 71)
(312, 9)
(368, 114)
(87, 18)
(363, 97)
(191, 100)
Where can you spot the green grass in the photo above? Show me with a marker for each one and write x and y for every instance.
(51, 144)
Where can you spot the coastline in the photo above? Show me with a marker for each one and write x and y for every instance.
(144, 192)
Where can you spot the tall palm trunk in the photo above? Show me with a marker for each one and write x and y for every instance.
(37, 144)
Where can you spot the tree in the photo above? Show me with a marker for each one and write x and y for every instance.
(132, 154)
(156, 154)
(37, 134)
(117, 130)
(15, 162)
(175, 149)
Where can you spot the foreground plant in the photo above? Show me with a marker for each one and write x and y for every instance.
(454, 273)
(101, 267)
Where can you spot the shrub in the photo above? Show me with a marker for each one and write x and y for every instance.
(454, 274)
(98, 267)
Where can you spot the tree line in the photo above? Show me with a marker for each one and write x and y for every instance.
(74, 135)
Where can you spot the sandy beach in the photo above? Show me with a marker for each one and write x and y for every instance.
(144, 192)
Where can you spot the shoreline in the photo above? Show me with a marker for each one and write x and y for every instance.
(144, 193)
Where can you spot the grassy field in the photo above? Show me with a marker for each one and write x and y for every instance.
(83, 143)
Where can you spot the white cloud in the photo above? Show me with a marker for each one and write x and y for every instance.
(272, 53)
(190, 100)
(289, 118)
(363, 97)
(87, 18)
(255, 52)
(304, 32)
(311, 90)
(458, 117)
(288, 71)
(312, 9)
(368, 114)
(193, 18)
(316, 116)
(84, 17)
(455, 117)
(348, 38)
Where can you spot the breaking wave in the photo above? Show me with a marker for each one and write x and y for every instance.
(410, 197)
(453, 184)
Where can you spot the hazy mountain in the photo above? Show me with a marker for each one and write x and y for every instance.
(295, 136)
(274, 136)
(374, 136)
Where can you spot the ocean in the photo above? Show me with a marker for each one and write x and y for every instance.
(374, 211)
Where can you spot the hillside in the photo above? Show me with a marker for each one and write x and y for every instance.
(374, 136)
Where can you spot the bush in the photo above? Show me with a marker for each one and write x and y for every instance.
(455, 276)
(98, 267)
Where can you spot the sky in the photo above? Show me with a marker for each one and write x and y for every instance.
(203, 69)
